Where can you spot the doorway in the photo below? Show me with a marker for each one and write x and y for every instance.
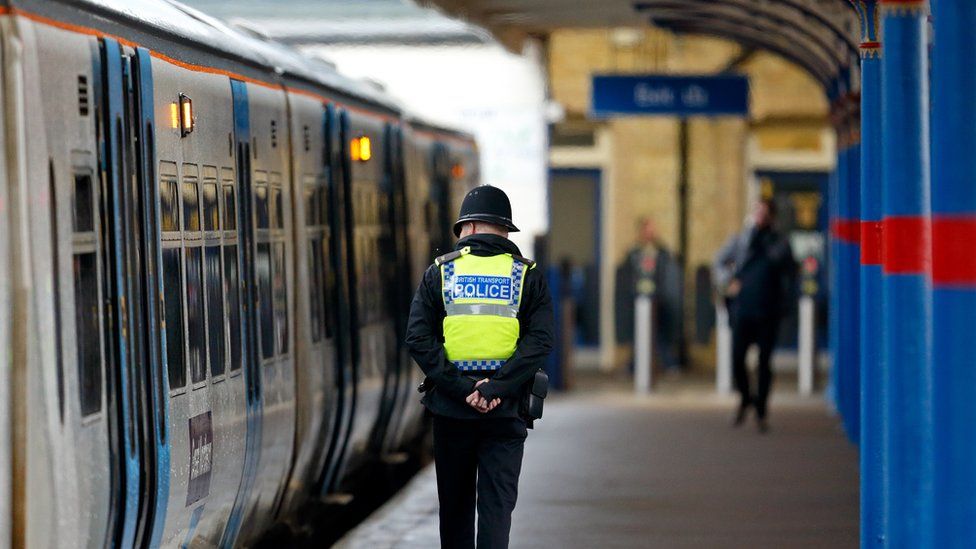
(574, 244)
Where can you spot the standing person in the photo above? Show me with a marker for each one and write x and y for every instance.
(754, 269)
(651, 269)
(480, 327)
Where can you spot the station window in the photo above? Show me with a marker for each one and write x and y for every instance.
(88, 332)
(196, 335)
(173, 302)
(233, 305)
(215, 310)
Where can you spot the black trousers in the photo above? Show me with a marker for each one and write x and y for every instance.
(478, 463)
(746, 332)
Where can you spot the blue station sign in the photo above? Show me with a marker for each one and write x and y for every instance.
(650, 94)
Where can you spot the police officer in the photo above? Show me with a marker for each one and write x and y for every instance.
(480, 327)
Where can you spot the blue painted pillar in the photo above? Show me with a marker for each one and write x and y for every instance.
(906, 254)
(835, 391)
(845, 233)
(954, 271)
(851, 248)
(873, 410)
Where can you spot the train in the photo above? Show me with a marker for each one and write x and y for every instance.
(208, 247)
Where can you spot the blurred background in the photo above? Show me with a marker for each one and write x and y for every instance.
(519, 77)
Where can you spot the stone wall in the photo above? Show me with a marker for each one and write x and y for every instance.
(788, 112)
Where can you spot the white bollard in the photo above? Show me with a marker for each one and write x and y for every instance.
(643, 344)
(723, 349)
(807, 346)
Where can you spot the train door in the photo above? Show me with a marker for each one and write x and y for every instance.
(316, 311)
(248, 299)
(80, 462)
(395, 253)
(151, 385)
(440, 196)
(121, 240)
(349, 352)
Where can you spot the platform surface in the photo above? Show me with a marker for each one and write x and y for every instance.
(608, 469)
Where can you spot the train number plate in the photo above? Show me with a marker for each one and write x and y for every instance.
(201, 457)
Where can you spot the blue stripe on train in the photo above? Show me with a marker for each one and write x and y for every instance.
(115, 103)
(158, 363)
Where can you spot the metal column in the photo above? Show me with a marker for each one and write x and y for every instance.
(873, 410)
(907, 314)
(954, 271)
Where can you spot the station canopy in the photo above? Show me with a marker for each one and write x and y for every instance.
(819, 35)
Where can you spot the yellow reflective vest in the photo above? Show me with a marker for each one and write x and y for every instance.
(481, 295)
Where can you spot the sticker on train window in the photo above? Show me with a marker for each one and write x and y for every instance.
(201, 457)
(482, 287)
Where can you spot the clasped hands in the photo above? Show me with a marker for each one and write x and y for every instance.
(480, 403)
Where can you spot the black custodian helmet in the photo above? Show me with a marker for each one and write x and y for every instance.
(488, 204)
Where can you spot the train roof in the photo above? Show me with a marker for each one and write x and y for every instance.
(190, 27)
(427, 125)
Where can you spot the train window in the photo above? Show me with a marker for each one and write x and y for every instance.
(324, 203)
(311, 206)
(279, 212)
(233, 305)
(280, 298)
(191, 206)
(265, 304)
(173, 301)
(88, 332)
(215, 310)
(316, 288)
(84, 218)
(277, 201)
(196, 336)
(211, 215)
(328, 293)
(168, 205)
(261, 205)
(230, 209)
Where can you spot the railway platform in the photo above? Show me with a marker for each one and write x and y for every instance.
(606, 468)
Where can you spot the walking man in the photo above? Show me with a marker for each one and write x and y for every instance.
(755, 269)
(480, 327)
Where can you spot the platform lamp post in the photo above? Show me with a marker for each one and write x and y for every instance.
(907, 316)
(954, 271)
(872, 455)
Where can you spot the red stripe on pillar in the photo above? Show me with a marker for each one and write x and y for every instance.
(906, 245)
(871, 242)
(954, 250)
(846, 230)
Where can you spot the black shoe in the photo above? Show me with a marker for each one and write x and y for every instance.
(762, 425)
(740, 415)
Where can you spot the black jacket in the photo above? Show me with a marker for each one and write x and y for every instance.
(425, 339)
(667, 297)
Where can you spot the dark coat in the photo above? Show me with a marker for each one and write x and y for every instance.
(668, 298)
(762, 261)
(425, 340)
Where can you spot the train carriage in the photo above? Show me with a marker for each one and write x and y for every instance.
(205, 296)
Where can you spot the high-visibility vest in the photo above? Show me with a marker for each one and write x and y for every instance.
(482, 295)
